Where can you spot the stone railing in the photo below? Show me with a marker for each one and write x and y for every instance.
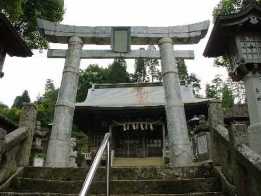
(15, 147)
(239, 165)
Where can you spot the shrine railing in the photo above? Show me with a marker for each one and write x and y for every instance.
(89, 178)
(15, 147)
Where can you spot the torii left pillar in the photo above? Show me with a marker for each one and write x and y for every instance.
(59, 144)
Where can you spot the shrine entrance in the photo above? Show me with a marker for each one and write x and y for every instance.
(138, 143)
(120, 39)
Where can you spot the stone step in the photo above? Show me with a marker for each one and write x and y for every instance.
(59, 194)
(119, 173)
(119, 186)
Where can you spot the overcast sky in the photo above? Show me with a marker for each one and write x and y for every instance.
(31, 73)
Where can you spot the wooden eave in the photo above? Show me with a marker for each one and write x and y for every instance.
(11, 41)
(226, 27)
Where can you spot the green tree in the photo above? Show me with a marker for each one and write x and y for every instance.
(227, 7)
(12, 114)
(238, 90)
(23, 15)
(214, 90)
(147, 69)
(46, 104)
(222, 90)
(20, 100)
(210, 91)
(140, 74)
(227, 97)
(195, 83)
(182, 70)
(117, 72)
(188, 79)
(92, 74)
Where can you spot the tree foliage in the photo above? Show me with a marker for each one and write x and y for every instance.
(46, 104)
(14, 112)
(227, 97)
(11, 113)
(147, 69)
(115, 73)
(21, 100)
(229, 7)
(92, 74)
(188, 79)
(228, 91)
(23, 15)
(219, 90)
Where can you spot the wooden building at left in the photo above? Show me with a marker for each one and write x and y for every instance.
(11, 42)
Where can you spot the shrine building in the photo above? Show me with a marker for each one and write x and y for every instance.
(135, 115)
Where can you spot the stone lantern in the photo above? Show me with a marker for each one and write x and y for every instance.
(238, 38)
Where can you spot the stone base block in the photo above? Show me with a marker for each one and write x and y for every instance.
(254, 135)
(58, 153)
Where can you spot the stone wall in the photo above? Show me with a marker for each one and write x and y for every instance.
(240, 165)
(15, 147)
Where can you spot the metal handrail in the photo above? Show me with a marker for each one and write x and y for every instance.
(89, 178)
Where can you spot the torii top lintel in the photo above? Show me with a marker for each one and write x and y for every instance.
(140, 35)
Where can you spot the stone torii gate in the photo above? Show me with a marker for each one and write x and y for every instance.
(76, 36)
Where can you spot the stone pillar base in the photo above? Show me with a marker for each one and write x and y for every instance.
(182, 156)
(57, 153)
(254, 136)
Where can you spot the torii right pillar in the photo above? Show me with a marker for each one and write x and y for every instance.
(179, 144)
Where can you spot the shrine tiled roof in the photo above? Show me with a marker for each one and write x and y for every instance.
(133, 95)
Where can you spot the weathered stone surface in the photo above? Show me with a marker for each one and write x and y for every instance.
(180, 181)
(254, 137)
(2, 140)
(241, 165)
(238, 134)
(144, 173)
(16, 148)
(59, 144)
(10, 154)
(15, 138)
(121, 186)
(178, 140)
(27, 120)
(215, 118)
(106, 54)
(253, 90)
(60, 194)
(185, 34)
(215, 113)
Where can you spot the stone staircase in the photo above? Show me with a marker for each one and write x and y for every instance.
(183, 181)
